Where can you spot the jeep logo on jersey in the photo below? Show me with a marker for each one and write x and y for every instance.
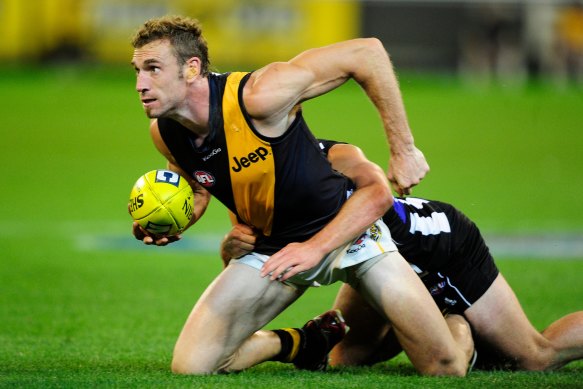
(204, 178)
(253, 157)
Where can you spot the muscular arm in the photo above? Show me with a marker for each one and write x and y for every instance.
(201, 196)
(318, 71)
(370, 202)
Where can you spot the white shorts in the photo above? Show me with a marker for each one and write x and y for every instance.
(346, 263)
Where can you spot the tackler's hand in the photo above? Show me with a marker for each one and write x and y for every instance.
(238, 242)
(291, 260)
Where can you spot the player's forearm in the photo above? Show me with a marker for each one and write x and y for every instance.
(200, 204)
(368, 203)
(377, 77)
(360, 211)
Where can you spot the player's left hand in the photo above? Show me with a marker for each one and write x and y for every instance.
(149, 239)
(291, 260)
(407, 170)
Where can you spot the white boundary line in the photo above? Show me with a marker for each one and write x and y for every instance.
(116, 235)
(532, 246)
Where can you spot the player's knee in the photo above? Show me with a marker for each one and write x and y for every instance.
(348, 355)
(444, 368)
(180, 367)
(444, 364)
(185, 367)
(187, 364)
(540, 358)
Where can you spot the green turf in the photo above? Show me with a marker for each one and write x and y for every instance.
(107, 315)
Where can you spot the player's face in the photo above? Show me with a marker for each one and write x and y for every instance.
(159, 82)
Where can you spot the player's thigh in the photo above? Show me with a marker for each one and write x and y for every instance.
(237, 303)
(367, 329)
(498, 319)
(400, 295)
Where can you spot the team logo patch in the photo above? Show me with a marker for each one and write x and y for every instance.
(205, 179)
(375, 233)
(437, 288)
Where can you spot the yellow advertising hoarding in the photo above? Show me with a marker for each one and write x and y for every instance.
(243, 33)
(31, 29)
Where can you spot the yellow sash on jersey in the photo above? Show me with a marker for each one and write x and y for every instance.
(251, 163)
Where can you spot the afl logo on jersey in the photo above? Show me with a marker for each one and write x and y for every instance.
(205, 179)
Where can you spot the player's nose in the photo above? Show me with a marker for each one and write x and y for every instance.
(142, 84)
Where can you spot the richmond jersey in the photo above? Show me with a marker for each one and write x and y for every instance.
(284, 187)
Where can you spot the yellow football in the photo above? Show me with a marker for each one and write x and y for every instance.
(161, 201)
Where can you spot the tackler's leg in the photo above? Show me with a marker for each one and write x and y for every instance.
(398, 293)
(364, 343)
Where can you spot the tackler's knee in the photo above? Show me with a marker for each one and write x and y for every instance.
(444, 365)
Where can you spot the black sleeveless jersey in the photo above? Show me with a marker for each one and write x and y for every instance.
(284, 186)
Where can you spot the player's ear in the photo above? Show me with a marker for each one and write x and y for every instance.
(192, 68)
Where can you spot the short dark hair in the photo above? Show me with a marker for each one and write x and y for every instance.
(183, 33)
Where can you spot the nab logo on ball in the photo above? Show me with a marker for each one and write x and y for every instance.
(168, 177)
(205, 179)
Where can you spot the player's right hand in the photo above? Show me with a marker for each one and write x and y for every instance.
(150, 239)
(407, 170)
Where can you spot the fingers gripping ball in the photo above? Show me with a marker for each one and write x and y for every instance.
(161, 201)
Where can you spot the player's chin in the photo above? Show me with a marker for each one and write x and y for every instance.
(151, 114)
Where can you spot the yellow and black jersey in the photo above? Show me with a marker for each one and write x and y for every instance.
(284, 186)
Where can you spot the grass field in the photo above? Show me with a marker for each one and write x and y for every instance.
(84, 305)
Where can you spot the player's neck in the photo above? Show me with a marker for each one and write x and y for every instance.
(194, 114)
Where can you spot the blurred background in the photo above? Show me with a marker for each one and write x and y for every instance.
(493, 91)
(512, 40)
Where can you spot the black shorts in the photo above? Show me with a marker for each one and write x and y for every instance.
(445, 248)
(468, 271)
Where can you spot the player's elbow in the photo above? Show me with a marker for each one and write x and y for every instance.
(382, 200)
(373, 48)
(374, 44)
